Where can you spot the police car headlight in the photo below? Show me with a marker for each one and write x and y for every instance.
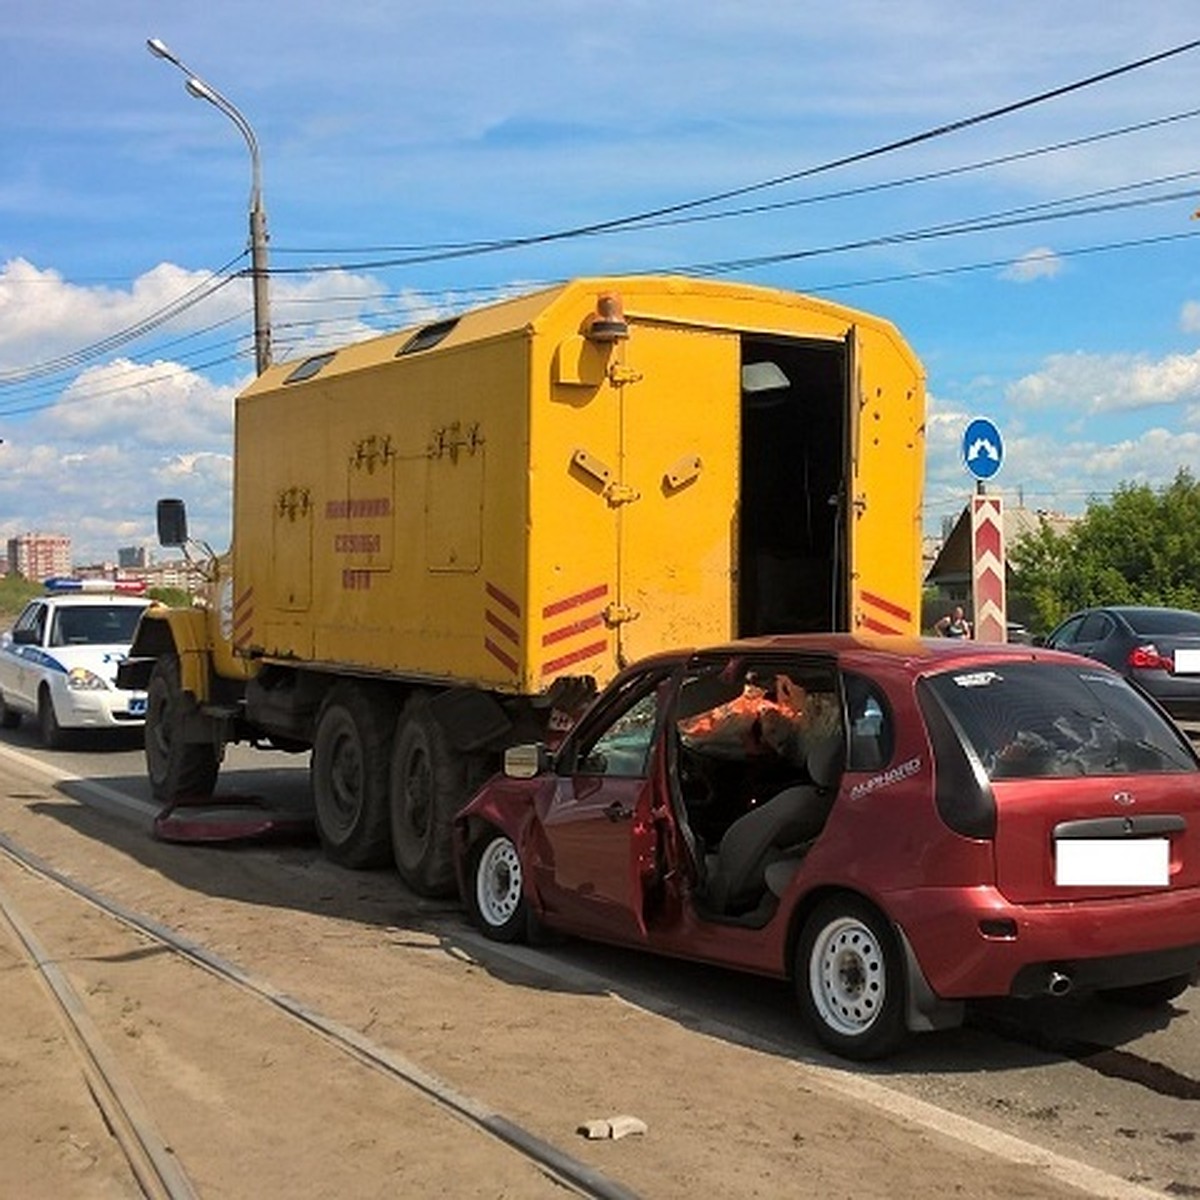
(80, 679)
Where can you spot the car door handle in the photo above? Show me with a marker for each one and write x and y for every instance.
(616, 811)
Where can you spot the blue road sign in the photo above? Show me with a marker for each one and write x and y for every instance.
(982, 448)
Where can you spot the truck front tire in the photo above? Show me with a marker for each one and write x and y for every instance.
(350, 775)
(178, 769)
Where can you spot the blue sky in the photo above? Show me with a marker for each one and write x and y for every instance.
(1067, 309)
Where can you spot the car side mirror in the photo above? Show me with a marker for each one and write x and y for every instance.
(526, 762)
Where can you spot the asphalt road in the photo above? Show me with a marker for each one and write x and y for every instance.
(1111, 1087)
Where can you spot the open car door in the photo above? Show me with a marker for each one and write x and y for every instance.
(601, 848)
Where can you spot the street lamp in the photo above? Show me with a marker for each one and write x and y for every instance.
(258, 217)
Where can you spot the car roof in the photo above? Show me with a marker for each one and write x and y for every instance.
(1126, 610)
(95, 600)
(913, 655)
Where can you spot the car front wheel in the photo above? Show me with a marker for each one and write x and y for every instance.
(495, 896)
(850, 979)
(54, 737)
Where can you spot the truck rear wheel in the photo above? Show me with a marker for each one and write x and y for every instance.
(350, 775)
(177, 768)
(429, 785)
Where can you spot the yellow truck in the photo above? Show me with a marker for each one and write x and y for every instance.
(446, 538)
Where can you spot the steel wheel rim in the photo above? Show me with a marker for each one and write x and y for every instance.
(498, 882)
(847, 976)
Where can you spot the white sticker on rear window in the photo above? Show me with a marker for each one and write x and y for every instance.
(978, 679)
(1110, 679)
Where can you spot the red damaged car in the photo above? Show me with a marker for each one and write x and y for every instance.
(897, 826)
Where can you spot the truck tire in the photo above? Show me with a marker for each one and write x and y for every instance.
(178, 769)
(429, 784)
(350, 775)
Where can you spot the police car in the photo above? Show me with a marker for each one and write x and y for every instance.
(59, 662)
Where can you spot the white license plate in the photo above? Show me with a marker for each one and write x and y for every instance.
(1187, 662)
(1112, 862)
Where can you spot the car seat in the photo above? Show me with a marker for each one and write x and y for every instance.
(737, 874)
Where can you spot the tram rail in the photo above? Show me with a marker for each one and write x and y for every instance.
(156, 1168)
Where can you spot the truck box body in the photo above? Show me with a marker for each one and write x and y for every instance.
(445, 539)
(500, 499)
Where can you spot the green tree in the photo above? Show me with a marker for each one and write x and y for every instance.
(1141, 547)
(173, 597)
(15, 592)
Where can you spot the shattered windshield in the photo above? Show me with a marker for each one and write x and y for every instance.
(1033, 720)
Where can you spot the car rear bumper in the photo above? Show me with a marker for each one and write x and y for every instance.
(971, 942)
(1178, 694)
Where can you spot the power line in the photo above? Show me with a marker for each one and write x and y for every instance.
(160, 316)
(1009, 220)
(202, 291)
(846, 193)
(477, 248)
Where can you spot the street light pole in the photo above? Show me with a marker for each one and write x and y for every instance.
(258, 216)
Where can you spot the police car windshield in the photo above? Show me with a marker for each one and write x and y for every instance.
(95, 625)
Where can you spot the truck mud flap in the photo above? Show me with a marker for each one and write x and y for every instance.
(230, 819)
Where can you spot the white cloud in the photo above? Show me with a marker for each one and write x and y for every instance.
(43, 317)
(1108, 383)
(89, 458)
(1189, 317)
(1041, 263)
(154, 404)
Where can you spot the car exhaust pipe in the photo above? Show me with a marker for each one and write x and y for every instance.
(1058, 984)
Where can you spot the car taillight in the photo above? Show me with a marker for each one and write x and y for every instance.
(1148, 658)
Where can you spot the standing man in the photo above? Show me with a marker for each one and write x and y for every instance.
(954, 624)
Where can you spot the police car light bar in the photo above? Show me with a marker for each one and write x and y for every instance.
(125, 587)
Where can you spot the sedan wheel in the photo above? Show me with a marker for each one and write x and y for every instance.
(495, 895)
(54, 737)
(850, 979)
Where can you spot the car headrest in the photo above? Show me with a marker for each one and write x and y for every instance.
(825, 759)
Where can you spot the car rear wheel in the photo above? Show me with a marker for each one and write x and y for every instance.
(495, 896)
(1149, 995)
(54, 736)
(850, 979)
(178, 769)
(350, 775)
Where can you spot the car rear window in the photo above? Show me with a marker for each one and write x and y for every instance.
(1163, 620)
(1037, 720)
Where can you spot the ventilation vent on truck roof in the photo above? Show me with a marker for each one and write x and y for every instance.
(309, 367)
(427, 337)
